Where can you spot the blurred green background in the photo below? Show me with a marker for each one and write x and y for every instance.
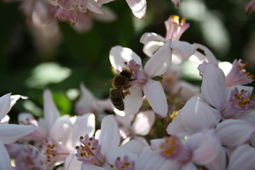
(25, 69)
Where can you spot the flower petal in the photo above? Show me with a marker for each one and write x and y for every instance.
(242, 158)
(51, 113)
(82, 126)
(151, 36)
(143, 122)
(10, 133)
(110, 135)
(197, 116)
(138, 7)
(159, 63)
(185, 49)
(155, 95)
(5, 160)
(210, 57)
(176, 127)
(132, 102)
(233, 133)
(151, 47)
(119, 55)
(5, 105)
(213, 86)
(94, 7)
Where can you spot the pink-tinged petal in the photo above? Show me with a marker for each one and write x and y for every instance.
(170, 164)
(86, 102)
(176, 3)
(120, 55)
(10, 133)
(109, 15)
(51, 113)
(5, 105)
(147, 37)
(197, 116)
(151, 47)
(125, 121)
(94, 7)
(209, 152)
(189, 166)
(155, 143)
(87, 166)
(176, 126)
(143, 122)
(242, 158)
(149, 159)
(119, 152)
(250, 7)
(185, 49)
(105, 104)
(13, 149)
(82, 126)
(100, 2)
(233, 133)
(159, 63)
(71, 162)
(5, 160)
(155, 95)
(134, 146)
(213, 85)
(210, 57)
(132, 102)
(110, 135)
(60, 126)
(138, 7)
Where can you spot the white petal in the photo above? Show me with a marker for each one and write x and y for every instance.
(147, 37)
(134, 146)
(155, 95)
(175, 126)
(151, 47)
(60, 126)
(138, 7)
(242, 158)
(197, 116)
(110, 135)
(189, 166)
(210, 57)
(83, 125)
(213, 85)
(5, 105)
(71, 162)
(119, 55)
(88, 166)
(125, 121)
(94, 7)
(51, 113)
(5, 160)
(185, 49)
(10, 133)
(159, 63)
(132, 102)
(233, 133)
(143, 122)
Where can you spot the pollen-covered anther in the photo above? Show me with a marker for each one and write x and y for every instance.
(175, 19)
(89, 150)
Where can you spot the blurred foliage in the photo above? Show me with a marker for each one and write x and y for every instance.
(86, 55)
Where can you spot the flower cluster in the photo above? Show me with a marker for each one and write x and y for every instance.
(163, 123)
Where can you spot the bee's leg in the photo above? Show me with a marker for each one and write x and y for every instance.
(126, 93)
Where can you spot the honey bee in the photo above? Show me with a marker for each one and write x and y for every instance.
(120, 83)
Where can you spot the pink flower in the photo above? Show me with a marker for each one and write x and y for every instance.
(231, 101)
(238, 74)
(10, 133)
(124, 58)
(250, 7)
(181, 50)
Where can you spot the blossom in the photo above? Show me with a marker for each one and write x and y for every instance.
(181, 50)
(124, 58)
(231, 101)
(9, 133)
(250, 6)
(176, 3)
(57, 135)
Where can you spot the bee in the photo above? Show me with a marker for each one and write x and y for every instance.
(120, 83)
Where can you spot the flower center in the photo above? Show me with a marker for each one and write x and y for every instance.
(242, 98)
(169, 147)
(89, 150)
